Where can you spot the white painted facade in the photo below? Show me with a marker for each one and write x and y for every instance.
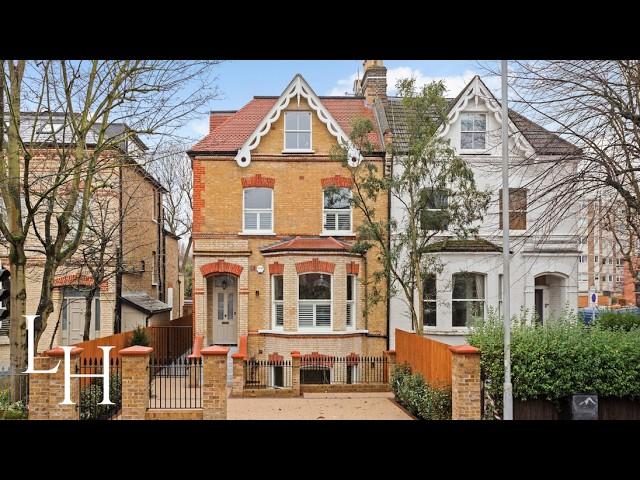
(547, 250)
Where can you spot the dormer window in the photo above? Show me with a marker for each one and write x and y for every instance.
(297, 131)
(473, 131)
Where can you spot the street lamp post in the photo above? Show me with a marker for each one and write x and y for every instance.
(506, 282)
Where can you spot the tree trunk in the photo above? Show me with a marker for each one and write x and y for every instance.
(18, 327)
(87, 314)
(185, 257)
(45, 306)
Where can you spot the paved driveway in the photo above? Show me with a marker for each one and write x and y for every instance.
(318, 406)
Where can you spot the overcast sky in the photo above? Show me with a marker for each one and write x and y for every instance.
(239, 81)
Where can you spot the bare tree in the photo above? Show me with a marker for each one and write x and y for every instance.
(595, 105)
(51, 159)
(172, 168)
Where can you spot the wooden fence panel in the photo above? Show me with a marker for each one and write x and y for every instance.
(429, 357)
(91, 350)
(168, 342)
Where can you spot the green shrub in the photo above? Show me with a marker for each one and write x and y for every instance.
(619, 320)
(418, 397)
(91, 396)
(139, 337)
(556, 360)
(11, 410)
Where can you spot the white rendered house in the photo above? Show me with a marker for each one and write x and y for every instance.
(544, 234)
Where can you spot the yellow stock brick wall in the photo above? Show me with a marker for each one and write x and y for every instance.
(297, 211)
(141, 233)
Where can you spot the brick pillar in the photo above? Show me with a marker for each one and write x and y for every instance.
(238, 374)
(135, 382)
(295, 372)
(465, 383)
(56, 385)
(390, 355)
(214, 383)
(39, 389)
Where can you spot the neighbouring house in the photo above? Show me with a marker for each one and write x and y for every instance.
(272, 249)
(544, 267)
(603, 268)
(143, 284)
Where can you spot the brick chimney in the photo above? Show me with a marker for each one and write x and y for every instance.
(374, 81)
(217, 118)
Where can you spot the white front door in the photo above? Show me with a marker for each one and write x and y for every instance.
(76, 308)
(225, 305)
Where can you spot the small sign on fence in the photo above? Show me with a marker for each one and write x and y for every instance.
(584, 407)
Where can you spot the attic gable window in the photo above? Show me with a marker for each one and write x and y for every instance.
(473, 131)
(297, 131)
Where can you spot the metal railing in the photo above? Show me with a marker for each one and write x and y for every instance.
(91, 389)
(175, 383)
(353, 369)
(262, 374)
(14, 387)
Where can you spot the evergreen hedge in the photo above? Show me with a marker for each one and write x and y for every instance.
(561, 358)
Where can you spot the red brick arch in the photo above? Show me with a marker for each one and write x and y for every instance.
(221, 267)
(337, 181)
(258, 180)
(315, 265)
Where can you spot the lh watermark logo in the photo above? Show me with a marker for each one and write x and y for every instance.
(67, 367)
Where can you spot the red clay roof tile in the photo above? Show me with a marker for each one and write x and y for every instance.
(236, 129)
(307, 243)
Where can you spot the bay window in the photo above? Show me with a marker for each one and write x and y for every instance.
(277, 301)
(351, 301)
(258, 210)
(314, 300)
(468, 299)
(337, 210)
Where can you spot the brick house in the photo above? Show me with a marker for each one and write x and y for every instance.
(544, 242)
(272, 250)
(148, 253)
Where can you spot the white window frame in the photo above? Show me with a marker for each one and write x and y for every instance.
(618, 279)
(314, 303)
(284, 134)
(448, 196)
(485, 131)
(354, 285)
(483, 300)
(435, 304)
(258, 211)
(275, 302)
(336, 211)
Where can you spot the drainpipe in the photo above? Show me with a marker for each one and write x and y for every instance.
(117, 324)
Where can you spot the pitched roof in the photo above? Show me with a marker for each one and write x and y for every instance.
(469, 245)
(328, 244)
(543, 141)
(234, 131)
(143, 302)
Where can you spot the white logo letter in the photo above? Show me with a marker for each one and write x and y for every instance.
(30, 349)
